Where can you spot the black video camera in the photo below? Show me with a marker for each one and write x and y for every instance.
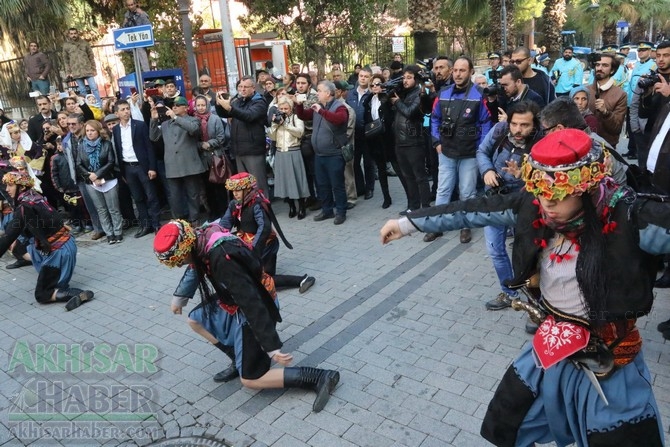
(278, 117)
(648, 80)
(502, 188)
(393, 86)
(555, 75)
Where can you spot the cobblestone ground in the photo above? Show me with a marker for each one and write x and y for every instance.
(404, 324)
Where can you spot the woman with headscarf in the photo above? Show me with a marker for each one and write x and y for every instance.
(16, 142)
(213, 141)
(580, 96)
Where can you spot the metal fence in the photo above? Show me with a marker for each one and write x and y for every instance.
(208, 50)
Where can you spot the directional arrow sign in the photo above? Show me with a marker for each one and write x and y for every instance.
(134, 37)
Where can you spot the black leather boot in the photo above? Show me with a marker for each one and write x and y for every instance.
(322, 381)
(291, 208)
(231, 372)
(302, 210)
(73, 297)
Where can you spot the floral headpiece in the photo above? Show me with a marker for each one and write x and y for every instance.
(18, 178)
(240, 182)
(173, 242)
(563, 163)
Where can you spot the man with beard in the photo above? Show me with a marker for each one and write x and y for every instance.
(535, 79)
(567, 73)
(459, 123)
(607, 101)
(644, 66)
(80, 63)
(53, 252)
(505, 146)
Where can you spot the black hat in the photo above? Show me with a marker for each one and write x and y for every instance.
(396, 65)
(611, 48)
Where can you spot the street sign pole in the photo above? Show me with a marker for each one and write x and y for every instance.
(134, 38)
(229, 52)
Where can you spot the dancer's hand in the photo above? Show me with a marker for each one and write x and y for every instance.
(390, 231)
(176, 309)
(283, 358)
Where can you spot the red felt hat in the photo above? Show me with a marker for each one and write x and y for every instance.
(564, 149)
(166, 238)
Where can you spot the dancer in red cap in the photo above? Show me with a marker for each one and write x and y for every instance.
(239, 306)
(53, 252)
(584, 252)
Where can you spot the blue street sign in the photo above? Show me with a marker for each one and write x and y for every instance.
(134, 37)
(622, 24)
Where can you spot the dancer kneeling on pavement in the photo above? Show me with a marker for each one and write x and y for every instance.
(252, 216)
(53, 252)
(592, 243)
(237, 310)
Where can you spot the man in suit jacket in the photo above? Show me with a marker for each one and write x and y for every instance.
(137, 163)
(44, 112)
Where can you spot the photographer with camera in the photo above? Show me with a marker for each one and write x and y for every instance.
(567, 73)
(607, 101)
(509, 91)
(459, 123)
(498, 157)
(647, 110)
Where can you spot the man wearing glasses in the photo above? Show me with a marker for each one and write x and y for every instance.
(535, 79)
(247, 129)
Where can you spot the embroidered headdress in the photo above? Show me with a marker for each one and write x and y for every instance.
(173, 242)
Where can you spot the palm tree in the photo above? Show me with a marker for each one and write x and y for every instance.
(424, 16)
(25, 20)
(553, 19)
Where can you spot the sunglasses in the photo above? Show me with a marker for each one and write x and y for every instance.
(376, 84)
(518, 61)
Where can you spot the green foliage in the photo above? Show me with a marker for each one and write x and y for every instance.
(310, 21)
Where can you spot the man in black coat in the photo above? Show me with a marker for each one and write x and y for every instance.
(44, 112)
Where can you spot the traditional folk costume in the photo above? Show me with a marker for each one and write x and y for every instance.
(583, 379)
(52, 249)
(239, 305)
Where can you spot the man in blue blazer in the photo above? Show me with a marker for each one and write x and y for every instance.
(137, 163)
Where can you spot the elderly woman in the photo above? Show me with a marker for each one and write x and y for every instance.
(290, 176)
(580, 96)
(213, 141)
(96, 165)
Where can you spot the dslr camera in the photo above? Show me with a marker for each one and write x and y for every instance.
(278, 117)
(648, 80)
(447, 127)
(162, 112)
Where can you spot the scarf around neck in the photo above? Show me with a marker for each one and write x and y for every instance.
(204, 119)
(92, 148)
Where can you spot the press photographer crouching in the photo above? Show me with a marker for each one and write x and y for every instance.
(651, 101)
(509, 90)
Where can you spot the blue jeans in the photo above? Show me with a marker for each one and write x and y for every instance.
(495, 245)
(450, 169)
(330, 183)
(41, 85)
(92, 85)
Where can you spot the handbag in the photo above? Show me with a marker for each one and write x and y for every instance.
(219, 170)
(374, 128)
(347, 152)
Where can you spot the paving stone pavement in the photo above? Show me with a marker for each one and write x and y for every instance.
(404, 324)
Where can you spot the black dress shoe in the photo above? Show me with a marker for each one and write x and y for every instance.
(227, 374)
(661, 283)
(18, 264)
(322, 216)
(143, 232)
(369, 195)
(664, 326)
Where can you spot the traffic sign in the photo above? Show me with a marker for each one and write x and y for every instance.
(134, 37)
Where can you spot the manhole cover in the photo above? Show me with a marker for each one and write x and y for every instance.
(191, 441)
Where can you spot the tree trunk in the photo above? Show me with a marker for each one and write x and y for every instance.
(553, 17)
(424, 17)
(639, 31)
(496, 25)
(609, 33)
